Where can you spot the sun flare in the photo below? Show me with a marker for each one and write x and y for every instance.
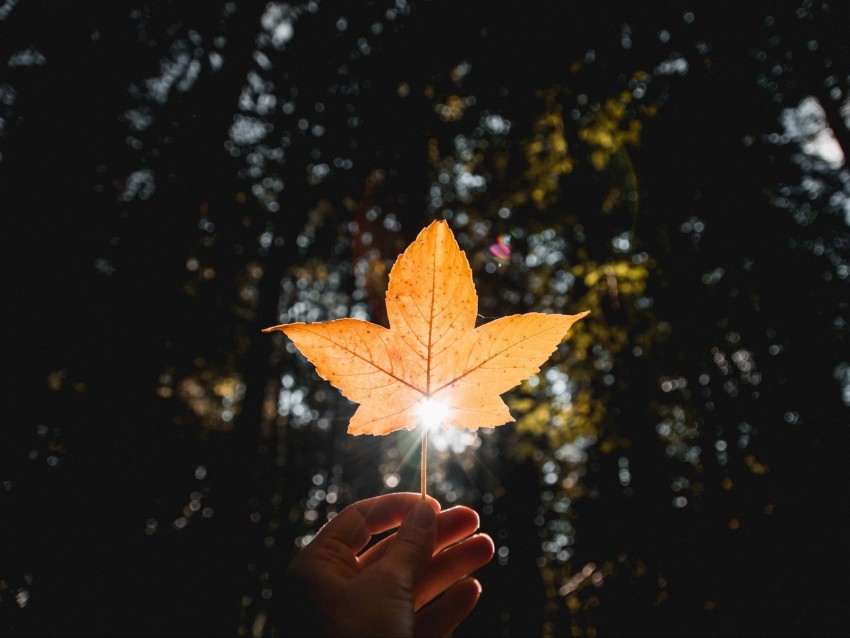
(432, 413)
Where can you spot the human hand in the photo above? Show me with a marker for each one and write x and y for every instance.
(386, 589)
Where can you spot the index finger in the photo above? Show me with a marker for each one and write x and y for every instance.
(356, 524)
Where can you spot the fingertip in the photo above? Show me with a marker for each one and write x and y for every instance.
(467, 512)
(416, 497)
(454, 525)
(421, 515)
(471, 588)
(482, 549)
(460, 519)
(492, 546)
(434, 503)
(479, 549)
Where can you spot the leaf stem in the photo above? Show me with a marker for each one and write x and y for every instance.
(424, 459)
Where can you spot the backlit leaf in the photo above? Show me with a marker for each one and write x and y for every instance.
(432, 363)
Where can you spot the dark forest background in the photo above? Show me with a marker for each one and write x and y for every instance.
(175, 176)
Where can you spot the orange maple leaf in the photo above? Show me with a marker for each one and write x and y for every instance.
(432, 364)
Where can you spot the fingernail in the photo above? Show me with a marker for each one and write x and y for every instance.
(422, 515)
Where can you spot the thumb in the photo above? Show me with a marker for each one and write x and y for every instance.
(413, 544)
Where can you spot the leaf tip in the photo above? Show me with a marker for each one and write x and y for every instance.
(282, 327)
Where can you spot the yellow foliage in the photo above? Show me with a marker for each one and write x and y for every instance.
(613, 283)
(552, 422)
(213, 395)
(549, 421)
(755, 466)
(453, 108)
(547, 154)
(609, 131)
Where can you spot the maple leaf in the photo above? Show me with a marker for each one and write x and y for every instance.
(432, 364)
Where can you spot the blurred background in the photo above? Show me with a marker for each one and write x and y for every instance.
(175, 176)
